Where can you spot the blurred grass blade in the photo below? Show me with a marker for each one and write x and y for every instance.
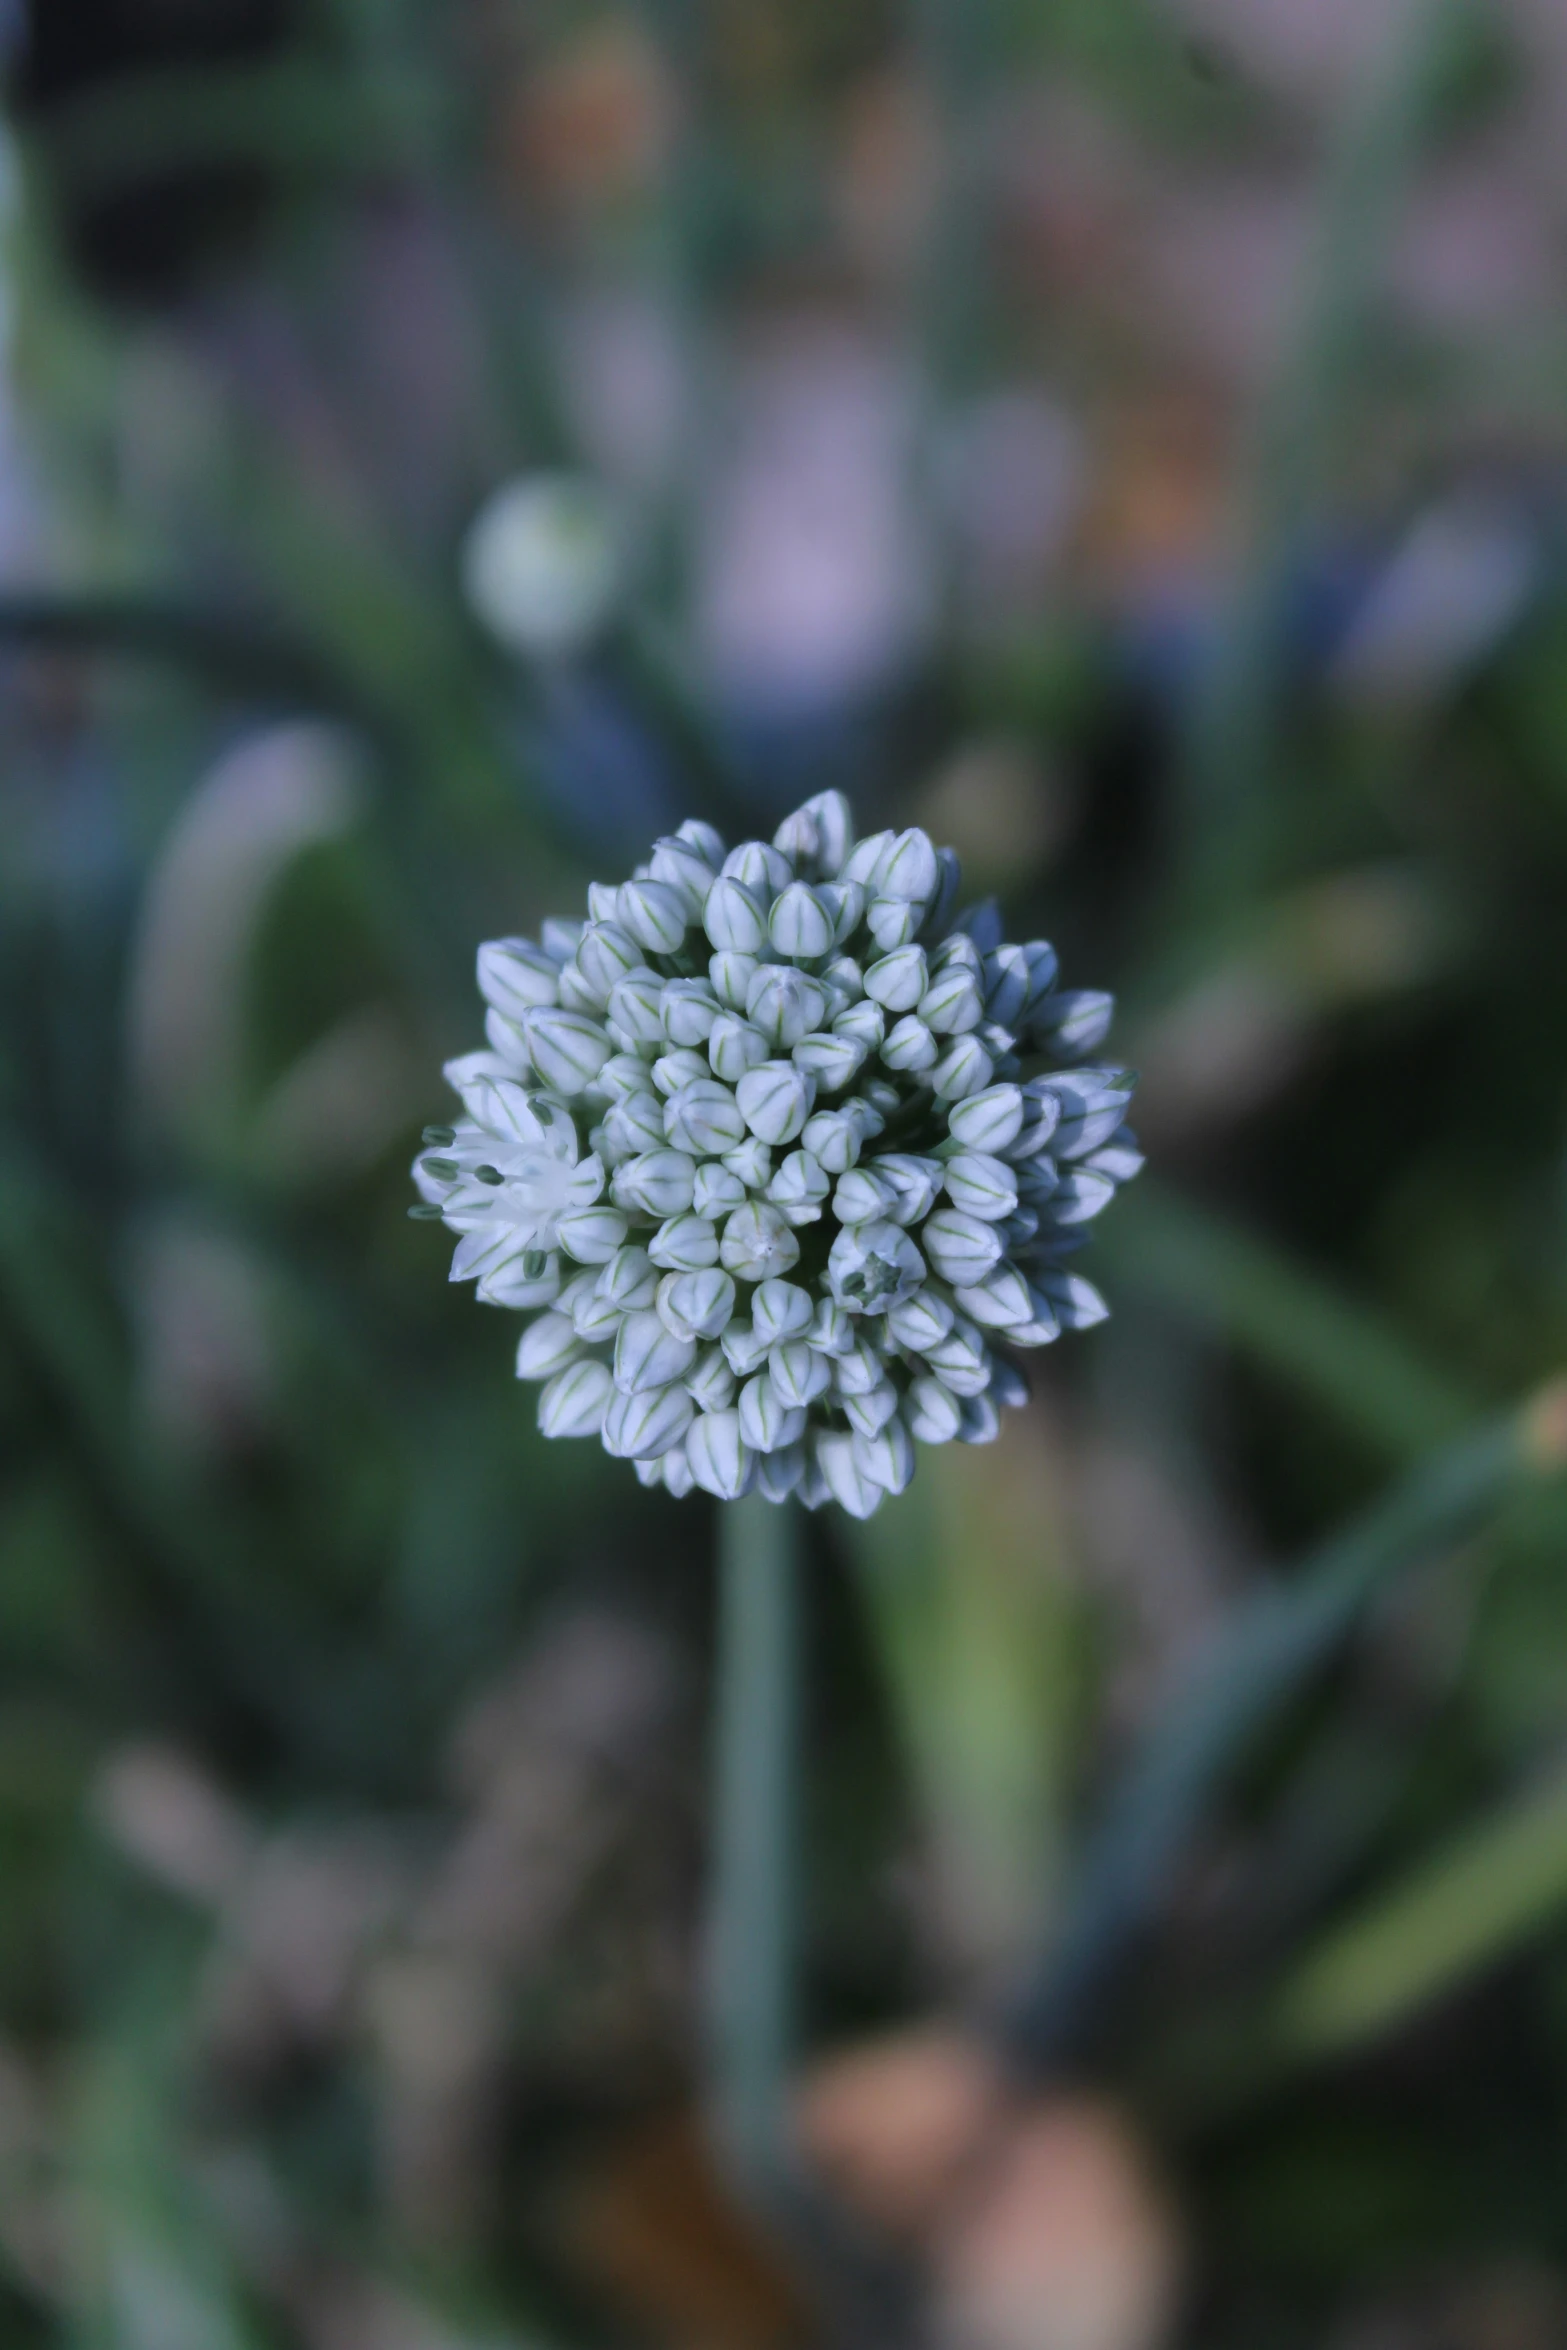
(1286, 1317)
(980, 1631)
(1231, 739)
(1268, 1653)
(1490, 1890)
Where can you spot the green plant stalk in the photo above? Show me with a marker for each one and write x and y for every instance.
(1235, 720)
(753, 1903)
(1270, 1650)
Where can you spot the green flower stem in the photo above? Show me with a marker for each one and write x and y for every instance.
(753, 1917)
(753, 1929)
(1267, 1654)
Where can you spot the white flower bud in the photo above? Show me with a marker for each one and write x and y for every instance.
(547, 1346)
(952, 1004)
(735, 920)
(1006, 985)
(730, 976)
(831, 1331)
(635, 1124)
(684, 869)
(679, 1067)
(871, 1266)
(886, 1459)
(657, 1183)
(897, 981)
(964, 1068)
(800, 1187)
(757, 1242)
(1119, 1158)
(560, 939)
(981, 1186)
(919, 1323)
(1043, 965)
(629, 1280)
(962, 1248)
(775, 1100)
(705, 838)
(868, 858)
(781, 1309)
(689, 1008)
(684, 1244)
(606, 954)
(981, 1421)
(752, 1162)
(799, 1372)
(624, 1074)
(935, 1414)
(566, 1048)
(710, 1383)
(743, 1351)
(696, 1305)
(764, 870)
(716, 1191)
(704, 1118)
(863, 1024)
(596, 1319)
(1077, 1303)
(580, 995)
(655, 914)
(785, 1004)
(846, 1481)
(845, 902)
(832, 1061)
(519, 1285)
(916, 1182)
(648, 1354)
(911, 870)
(1037, 1182)
(674, 1469)
(766, 1422)
(858, 1371)
(591, 1235)
(892, 922)
(833, 1139)
(844, 974)
(863, 1196)
(779, 1473)
(636, 1009)
(735, 1046)
(961, 1360)
(1008, 1388)
(818, 835)
(516, 976)
(1018, 1229)
(508, 1044)
(801, 923)
(910, 1048)
(949, 880)
(1000, 1302)
(1079, 1196)
(575, 1401)
(641, 1426)
(988, 1121)
(721, 1461)
(869, 1413)
(1075, 1020)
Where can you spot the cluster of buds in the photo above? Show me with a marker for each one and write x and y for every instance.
(785, 1158)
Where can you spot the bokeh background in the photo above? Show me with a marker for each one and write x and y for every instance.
(442, 444)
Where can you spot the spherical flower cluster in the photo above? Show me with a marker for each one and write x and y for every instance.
(785, 1160)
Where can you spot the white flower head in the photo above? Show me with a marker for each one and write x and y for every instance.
(783, 1160)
